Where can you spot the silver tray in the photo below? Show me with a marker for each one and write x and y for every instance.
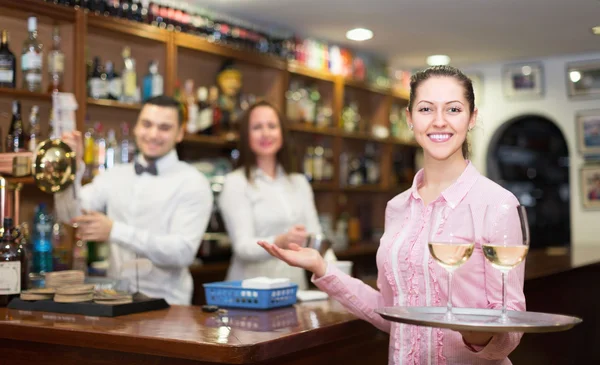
(477, 319)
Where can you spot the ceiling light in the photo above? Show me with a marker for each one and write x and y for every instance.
(596, 30)
(359, 34)
(438, 60)
(526, 70)
(575, 76)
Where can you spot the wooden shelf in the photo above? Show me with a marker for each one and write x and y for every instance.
(307, 128)
(122, 26)
(298, 69)
(40, 8)
(324, 186)
(396, 141)
(367, 188)
(215, 141)
(357, 250)
(367, 87)
(25, 180)
(196, 43)
(363, 136)
(24, 94)
(401, 94)
(113, 104)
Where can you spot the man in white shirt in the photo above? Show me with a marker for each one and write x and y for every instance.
(156, 208)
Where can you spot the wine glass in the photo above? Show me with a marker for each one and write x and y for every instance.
(505, 241)
(451, 240)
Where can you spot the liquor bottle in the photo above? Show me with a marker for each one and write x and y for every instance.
(34, 129)
(26, 251)
(8, 64)
(10, 265)
(56, 63)
(100, 149)
(15, 138)
(129, 77)
(42, 240)
(97, 82)
(114, 82)
(31, 59)
(204, 123)
(153, 82)
(112, 148)
(89, 153)
(127, 146)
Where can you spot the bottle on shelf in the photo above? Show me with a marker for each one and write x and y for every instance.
(34, 129)
(10, 265)
(129, 78)
(26, 251)
(113, 82)
(89, 152)
(8, 64)
(56, 63)
(99, 149)
(127, 146)
(308, 163)
(153, 82)
(31, 59)
(112, 148)
(42, 240)
(15, 138)
(60, 248)
(205, 113)
(97, 83)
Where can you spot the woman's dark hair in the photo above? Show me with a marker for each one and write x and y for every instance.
(247, 158)
(444, 71)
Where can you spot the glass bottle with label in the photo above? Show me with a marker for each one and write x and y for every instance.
(129, 77)
(113, 81)
(31, 59)
(112, 148)
(42, 240)
(153, 82)
(34, 129)
(10, 265)
(127, 146)
(8, 64)
(56, 63)
(97, 82)
(15, 138)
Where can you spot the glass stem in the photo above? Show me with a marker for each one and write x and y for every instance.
(503, 295)
(449, 304)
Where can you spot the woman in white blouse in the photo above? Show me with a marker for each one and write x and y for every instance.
(264, 201)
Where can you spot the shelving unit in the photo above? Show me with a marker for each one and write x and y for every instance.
(183, 56)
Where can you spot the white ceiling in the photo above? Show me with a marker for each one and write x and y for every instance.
(407, 31)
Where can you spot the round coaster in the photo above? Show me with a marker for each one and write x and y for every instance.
(73, 298)
(114, 302)
(75, 289)
(34, 296)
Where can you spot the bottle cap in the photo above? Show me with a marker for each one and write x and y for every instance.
(32, 24)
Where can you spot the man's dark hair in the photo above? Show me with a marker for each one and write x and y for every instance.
(167, 102)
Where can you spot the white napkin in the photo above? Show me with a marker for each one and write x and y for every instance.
(309, 295)
(263, 282)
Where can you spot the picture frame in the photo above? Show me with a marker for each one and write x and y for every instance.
(590, 186)
(523, 81)
(588, 133)
(583, 79)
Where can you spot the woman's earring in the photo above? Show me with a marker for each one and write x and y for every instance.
(410, 126)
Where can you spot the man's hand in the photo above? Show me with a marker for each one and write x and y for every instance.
(93, 226)
(75, 142)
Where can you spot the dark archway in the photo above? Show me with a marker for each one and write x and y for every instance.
(528, 155)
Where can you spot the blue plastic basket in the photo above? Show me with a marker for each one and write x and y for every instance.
(231, 294)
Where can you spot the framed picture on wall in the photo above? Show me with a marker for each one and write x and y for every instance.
(588, 133)
(523, 81)
(583, 79)
(590, 186)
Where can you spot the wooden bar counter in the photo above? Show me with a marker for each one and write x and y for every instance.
(306, 333)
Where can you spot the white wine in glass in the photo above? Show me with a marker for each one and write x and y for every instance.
(505, 241)
(451, 240)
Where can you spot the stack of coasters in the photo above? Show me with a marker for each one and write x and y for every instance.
(74, 293)
(112, 297)
(57, 279)
(38, 294)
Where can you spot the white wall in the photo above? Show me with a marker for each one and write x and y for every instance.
(496, 109)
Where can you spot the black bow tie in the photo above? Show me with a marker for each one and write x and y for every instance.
(151, 169)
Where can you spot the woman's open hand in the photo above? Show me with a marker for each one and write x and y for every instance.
(303, 257)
